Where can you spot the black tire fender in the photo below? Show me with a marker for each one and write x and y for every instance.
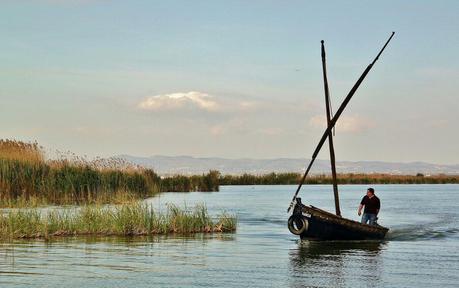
(297, 224)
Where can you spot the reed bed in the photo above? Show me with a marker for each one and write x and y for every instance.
(68, 183)
(26, 176)
(347, 178)
(178, 183)
(122, 220)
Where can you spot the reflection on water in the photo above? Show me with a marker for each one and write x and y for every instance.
(317, 250)
(137, 240)
(420, 250)
(336, 263)
(108, 244)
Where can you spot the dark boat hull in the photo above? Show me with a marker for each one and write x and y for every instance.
(322, 225)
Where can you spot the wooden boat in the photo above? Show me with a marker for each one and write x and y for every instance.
(310, 222)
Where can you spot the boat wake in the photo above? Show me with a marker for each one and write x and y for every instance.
(443, 228)
(421, 232)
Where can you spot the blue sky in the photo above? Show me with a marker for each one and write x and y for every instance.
(230, 78)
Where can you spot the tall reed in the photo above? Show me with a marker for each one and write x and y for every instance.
(25, 175)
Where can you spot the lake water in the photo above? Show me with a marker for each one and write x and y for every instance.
(421, 249)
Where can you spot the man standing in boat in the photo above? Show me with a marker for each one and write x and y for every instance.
(372, 206)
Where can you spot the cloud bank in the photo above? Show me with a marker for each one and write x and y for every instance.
(178, 101)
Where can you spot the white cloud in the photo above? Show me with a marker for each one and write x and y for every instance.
(348, 124)
(180, 100)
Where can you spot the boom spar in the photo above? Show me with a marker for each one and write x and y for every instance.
(335, 118)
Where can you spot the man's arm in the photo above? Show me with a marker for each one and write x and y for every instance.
(362, 203)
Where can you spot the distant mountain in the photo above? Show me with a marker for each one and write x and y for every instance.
(193, 165)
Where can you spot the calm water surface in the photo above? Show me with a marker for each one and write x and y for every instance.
(421, 249)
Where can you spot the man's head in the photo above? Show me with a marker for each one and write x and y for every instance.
(370, 192)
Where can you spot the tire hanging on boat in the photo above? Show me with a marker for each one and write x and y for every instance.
(297, 224)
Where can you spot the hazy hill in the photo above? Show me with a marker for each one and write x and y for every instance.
(194, 165)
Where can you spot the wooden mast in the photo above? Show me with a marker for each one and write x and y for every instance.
(334, 119)
(330, 133)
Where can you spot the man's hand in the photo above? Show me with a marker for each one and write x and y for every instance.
(360, 213)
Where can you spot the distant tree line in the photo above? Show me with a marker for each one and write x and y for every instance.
(181, 183)
(348, 178)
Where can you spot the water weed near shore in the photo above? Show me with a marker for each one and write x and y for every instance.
(129, 219)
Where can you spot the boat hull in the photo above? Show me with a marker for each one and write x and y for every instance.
(322, 225)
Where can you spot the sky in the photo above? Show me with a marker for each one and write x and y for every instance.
(232, 79)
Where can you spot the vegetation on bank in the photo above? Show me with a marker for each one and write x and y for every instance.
(180, 183)
(348, 178)
(26, 176)
(129, 219)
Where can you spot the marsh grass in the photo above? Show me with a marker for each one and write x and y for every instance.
(118, 197)
(130, 219)
(26, 176)
(345, 178)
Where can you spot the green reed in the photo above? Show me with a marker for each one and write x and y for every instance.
(122, 220)
(66, 182)
(25, 176)
(345, 178)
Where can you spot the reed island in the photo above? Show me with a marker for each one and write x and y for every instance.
(44, 198)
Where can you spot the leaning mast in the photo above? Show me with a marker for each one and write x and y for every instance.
(330, 133)
(334, 119)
